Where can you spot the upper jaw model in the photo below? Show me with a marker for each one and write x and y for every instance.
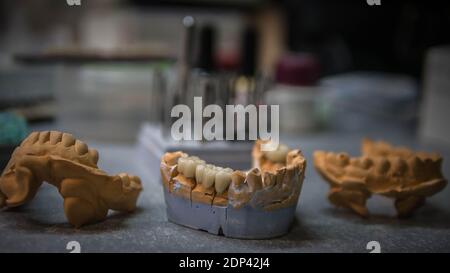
(69, 165)
(396, 172)
(259, 203)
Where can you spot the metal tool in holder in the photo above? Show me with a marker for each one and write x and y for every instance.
(198, 77)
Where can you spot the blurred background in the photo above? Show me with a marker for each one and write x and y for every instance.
(104, 68)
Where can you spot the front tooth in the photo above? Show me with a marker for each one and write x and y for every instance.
(199, 171)
(199, 161)
(195, 158)
(208, 177)
(189, 169)
(182, 164)
(223, 180)
(279, 155)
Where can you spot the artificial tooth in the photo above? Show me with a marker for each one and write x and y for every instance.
(209, 176)
(189, 168)
(94, 155)
(201, 162)
(195, 158)
(44, 136)
(181, 164)
(222, 181)
(81, 147)
(199, 171)
(55, 137)
(279, 155)
(68, 140)
(228, 170)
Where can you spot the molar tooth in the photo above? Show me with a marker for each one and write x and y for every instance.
(81, 147)
(279, 155)
(44, 136)
(222, 181)
(268, 179)
(189, 169)
(330, 157)
(415, 165)
(94, 155)
(68, 140)
(343, 159)
(399, 166)
(366, 162)
(199, 172)
(55, 137)
(383, 166)
(31, 139)
(254, 180)
(209, 176)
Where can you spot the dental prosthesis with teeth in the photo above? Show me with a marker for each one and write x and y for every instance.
(396, 172)
(256, 204)
(71, 166)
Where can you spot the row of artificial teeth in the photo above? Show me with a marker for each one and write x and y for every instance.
(206, 174)
(278, 155)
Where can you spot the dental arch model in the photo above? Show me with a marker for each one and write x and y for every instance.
(396, 172)
(68, 164)
(256, 204)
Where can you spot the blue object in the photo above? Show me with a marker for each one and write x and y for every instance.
(13, 128)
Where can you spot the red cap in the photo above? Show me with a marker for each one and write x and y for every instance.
(299, 69)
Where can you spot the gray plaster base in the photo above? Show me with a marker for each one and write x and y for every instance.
(243, 223)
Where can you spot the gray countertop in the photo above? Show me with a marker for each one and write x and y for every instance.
(40, 226)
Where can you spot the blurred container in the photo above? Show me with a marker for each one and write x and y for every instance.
(13, 129)
(372, 100)
(297, 93)
(434, 125)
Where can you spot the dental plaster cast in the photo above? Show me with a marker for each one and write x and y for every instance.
(259, 203)
(396, 172)
(68, 164)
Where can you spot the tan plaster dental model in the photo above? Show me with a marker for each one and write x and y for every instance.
(68, 164)
(396, 172)
(259, 203)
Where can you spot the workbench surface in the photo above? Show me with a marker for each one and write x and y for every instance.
(40, 226)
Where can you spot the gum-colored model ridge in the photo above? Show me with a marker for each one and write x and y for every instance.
(396, 172)
(68, 164)
(274, 182)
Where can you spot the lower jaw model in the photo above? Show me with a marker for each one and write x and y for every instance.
(255, 204)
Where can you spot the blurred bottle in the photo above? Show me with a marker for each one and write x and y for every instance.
(203, 79)
(296, 92)
(244, 84)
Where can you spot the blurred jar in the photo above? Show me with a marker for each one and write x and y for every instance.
(297, 93)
